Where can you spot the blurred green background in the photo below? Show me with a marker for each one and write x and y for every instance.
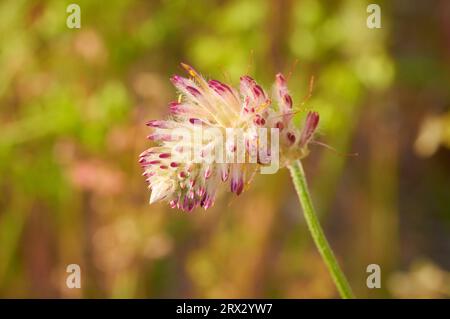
(73, 103)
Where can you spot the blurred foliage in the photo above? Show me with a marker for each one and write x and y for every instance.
(72, 107)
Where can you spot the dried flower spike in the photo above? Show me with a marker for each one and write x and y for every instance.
(188, 181)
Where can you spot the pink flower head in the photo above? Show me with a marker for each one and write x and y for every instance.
(187, 181)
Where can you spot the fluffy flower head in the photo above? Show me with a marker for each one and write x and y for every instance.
(218, 134)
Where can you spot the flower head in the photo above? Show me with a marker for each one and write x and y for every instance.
(188, 181)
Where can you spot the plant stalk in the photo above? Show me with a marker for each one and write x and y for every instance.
(301, 186)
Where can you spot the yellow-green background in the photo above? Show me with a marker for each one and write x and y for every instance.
(73, 103)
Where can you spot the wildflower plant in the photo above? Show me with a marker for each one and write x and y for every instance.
(217, 135)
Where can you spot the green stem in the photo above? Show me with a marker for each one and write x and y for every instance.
(299, 180)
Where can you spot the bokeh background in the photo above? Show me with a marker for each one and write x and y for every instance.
(73, 103)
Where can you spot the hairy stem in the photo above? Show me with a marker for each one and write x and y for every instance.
(299, 180)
